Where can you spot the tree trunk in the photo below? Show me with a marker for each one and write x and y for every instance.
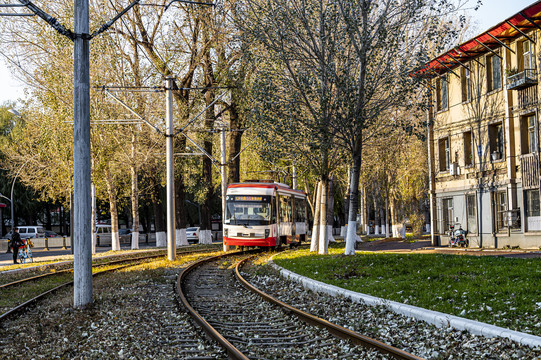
(323, 238)
(159, 218)
(351, 236)
(180, 196)
(314, 240)
(235, 143)
(134, 194)
(330, 211)
(113, 209)
(205, 233)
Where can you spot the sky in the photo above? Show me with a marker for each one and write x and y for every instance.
(489, 14)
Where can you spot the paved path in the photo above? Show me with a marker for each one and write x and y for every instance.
(39, 254)
(424, 246)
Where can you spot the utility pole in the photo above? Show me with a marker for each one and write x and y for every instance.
(171, 241)
(223, 171)
(82, 262)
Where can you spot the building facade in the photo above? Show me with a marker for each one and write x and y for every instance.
(483, 132)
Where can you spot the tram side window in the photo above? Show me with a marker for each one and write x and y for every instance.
(285, 209)
(300, 206)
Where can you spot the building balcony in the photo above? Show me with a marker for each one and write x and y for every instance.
(530, 171)
(522, 80)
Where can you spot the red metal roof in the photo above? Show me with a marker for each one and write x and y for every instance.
(525, 20)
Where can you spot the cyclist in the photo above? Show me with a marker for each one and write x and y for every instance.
(16, 242)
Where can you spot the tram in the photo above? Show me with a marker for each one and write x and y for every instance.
(264, 214)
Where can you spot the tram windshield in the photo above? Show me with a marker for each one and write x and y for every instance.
(248, 210)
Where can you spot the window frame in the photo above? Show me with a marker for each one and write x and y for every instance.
(496, 139)
(471, 163)
(442, 93)
(490, 61)
(465, 84)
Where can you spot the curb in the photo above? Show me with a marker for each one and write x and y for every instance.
(436, 318)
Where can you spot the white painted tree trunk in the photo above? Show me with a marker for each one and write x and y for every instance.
(205, 237)
(135, 240)
(323, 239)
(384, 230)
(376, 230)
(181, 237)
(314, 240)
(351, 236)
(427, 228)
(330, 236)
(343, 230)
(161, 239)
(115, 241)
(396, 230)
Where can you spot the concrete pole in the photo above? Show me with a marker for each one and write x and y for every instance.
(294, 175)
(224, 179)
(82, 273)
(171, 241)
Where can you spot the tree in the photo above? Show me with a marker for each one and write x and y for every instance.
(297, 67)
(387, 37)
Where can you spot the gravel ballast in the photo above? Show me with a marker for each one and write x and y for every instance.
(416, 337)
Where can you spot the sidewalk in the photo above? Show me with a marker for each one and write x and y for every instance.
(424, 246)
(56, 253)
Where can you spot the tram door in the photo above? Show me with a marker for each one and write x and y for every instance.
(285, 227)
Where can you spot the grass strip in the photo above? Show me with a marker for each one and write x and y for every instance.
(496, 290)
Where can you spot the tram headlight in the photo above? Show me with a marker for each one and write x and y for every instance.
(267, 233)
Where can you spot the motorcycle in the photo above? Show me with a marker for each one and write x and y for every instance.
(458, 237)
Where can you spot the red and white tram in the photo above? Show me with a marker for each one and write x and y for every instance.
(264, 214)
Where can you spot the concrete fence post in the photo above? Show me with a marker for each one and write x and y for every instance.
(63, 243)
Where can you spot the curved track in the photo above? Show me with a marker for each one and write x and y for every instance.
(249, 328)
(123, 263)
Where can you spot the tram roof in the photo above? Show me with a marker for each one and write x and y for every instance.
(258, 185)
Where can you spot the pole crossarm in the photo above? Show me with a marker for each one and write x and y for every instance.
(198, 115)
(61, 29)
(133, 111)
(109, 23)
(55, 24)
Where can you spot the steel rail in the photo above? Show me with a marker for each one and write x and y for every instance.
(27, 303)
(336, 330)
(230, 349)
(161, 253)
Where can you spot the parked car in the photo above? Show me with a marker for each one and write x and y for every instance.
(50, 234)
(104, 232)
(192, 235)
(31, 232)
(125, 235)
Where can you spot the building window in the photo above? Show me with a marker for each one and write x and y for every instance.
(465, 80)
(532, 210)
(526, 56)
(471, 213)
(444, 150)
(468, 149)
(500, 209)
(528, 142)
(447, 218)
(494, 71)
(441, 93)
(495, 133)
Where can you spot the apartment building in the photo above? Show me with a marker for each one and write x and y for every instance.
(483, 132)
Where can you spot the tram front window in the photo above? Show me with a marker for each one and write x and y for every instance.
(248, 210)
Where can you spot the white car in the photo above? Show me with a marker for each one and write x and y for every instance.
(192, 235)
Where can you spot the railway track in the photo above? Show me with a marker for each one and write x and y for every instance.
(249, 328)
(116, 264)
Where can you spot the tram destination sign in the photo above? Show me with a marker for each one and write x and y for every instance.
(249, 198)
